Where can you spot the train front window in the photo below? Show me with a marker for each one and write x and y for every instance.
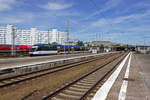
(34, 48)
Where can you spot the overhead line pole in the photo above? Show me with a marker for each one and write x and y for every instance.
(67, 30)
(13, 43)
(48, 37)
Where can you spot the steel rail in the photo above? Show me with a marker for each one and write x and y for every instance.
(78, 79)
(43, 72)
(98, 82)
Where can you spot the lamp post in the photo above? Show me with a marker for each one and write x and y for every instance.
(145, 42)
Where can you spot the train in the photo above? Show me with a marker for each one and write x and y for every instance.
(53, 49)
(19, 48)
(120, 48)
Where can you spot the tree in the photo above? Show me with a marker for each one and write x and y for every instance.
(116, 45)
(80, 43)
(54, 43)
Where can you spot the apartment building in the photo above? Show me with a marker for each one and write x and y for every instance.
(31, 36)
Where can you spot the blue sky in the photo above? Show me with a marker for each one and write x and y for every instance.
(123, 21)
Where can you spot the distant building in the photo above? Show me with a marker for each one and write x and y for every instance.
(143, 49)
(70, 43)
(99, 43)
(3, 35)
(31, 36)
(102, 46)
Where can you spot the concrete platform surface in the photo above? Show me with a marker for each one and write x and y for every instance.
(41, 63)
(10, 62)
(143, 60)
(132, 82)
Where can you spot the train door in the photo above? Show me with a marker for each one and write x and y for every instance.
(58, 50)
(80, 50)
(72, 49)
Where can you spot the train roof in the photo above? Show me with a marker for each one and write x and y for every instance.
(11, 45)
(60, 45)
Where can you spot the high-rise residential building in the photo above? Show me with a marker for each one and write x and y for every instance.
(6, 34)
(31, 36)
(62, 38)
(3, 35)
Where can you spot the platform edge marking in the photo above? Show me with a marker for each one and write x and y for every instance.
(123, 90)
(104, 90)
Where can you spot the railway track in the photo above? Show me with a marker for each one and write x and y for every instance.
(80, 88)
(7, 81)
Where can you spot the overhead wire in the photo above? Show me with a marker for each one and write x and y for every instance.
(101, 13)
(109, 23)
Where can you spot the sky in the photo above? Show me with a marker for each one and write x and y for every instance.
(121, 21)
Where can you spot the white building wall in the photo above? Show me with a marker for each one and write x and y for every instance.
(43, 37)
(26, 37)
(9, 33)
(54, 35)
(49, 36)
(18, 39)
(3, 35)
(62, 37)
(31, 37)
(34, 36)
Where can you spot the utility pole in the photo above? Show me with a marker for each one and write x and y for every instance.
(48, 37)
(102, 36)
(31, 40)
(13, 43)
(96, 39)
(67, 30)
(39, 42)
(64, 48)
(144, 42)
(4, 38)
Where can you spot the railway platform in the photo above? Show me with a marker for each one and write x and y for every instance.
(15, 66)
(20, 61)
(130, 81)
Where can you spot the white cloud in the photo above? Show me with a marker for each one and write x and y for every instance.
(123, 26)
(16, 18)
(56, 6)
(6, 4)
(134, 17)
(6, 20)
(141, 28)
(107, 6)
(60, 13)
(99, 23)
(110, 4)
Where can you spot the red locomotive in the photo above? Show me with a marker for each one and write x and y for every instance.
(18, 48)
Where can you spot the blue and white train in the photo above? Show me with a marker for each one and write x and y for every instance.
(53, 49)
